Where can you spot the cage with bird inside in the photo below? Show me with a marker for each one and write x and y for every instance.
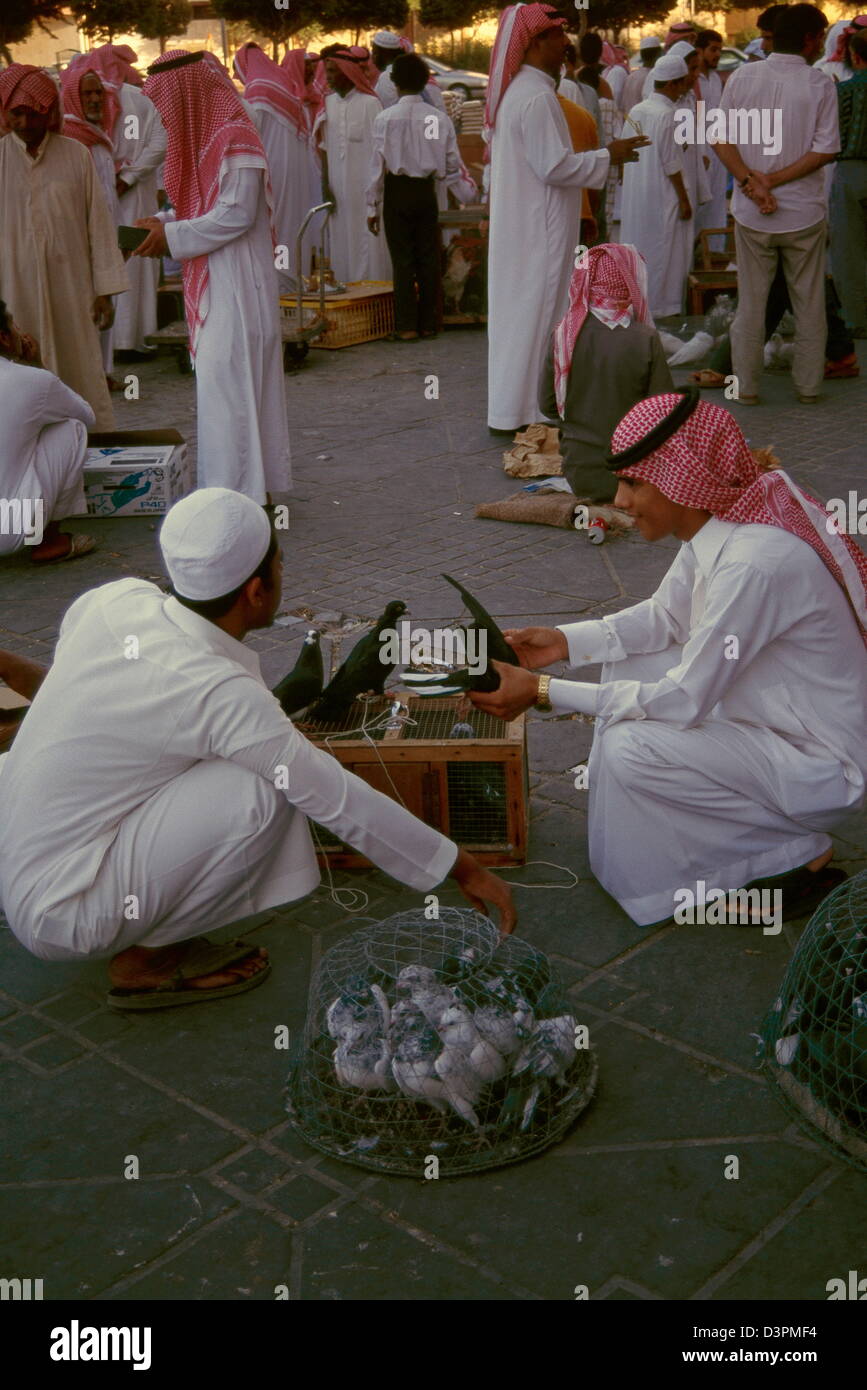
(437, 1039)
(814, 1039)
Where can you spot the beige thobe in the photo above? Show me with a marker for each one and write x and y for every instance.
(58, 251)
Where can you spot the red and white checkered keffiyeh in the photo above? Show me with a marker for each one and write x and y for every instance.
(858, 25)
(209, 133)
(274, 87)
(357, 50)
(354, 69)
(75, 123)
(708, 464)
(519, 25)
(22, 84)
(613, 57)
(113, 62)
(612, 281)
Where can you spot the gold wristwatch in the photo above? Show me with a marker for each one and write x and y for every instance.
(543, 702)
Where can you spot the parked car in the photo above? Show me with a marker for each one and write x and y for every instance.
(730, 58)
(471, 85)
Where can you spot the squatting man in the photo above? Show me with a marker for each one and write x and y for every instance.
(156, 788)
(730, 717)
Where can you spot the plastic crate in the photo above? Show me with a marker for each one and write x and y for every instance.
(361, 315)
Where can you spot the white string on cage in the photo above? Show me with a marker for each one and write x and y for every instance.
(574, 880)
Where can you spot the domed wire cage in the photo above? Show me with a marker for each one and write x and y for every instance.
(437, 1039)
(814, 1040)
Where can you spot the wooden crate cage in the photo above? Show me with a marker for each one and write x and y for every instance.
(473, 789)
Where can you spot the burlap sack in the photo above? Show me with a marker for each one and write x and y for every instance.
(535, 453)
(552, 509)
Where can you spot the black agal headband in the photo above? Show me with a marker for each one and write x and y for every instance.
(690, 397)
(176, 62)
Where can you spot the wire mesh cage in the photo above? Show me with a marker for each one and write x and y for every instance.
(814, 1040)
(437, 1039)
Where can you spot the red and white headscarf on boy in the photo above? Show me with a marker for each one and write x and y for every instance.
(274, 87)
(609, 281)
(209, 133)
(708, 464)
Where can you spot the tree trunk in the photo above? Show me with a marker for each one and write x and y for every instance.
(162, 44)
(275, 50)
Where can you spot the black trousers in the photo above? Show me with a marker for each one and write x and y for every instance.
(409, 219)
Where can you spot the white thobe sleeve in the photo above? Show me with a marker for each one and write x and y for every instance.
(377, 167)
(745, 609)
(150, 148)
(457, 179)
(60, 402)
(242, 722)
(551, 158)
(233, 213)
(433, 96)
(826, 137)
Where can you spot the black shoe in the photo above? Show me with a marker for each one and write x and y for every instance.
(510, 433)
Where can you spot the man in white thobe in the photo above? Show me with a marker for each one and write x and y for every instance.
(384, 48)
(139, 151)
(59, 260)
(656, 213)
(713, 213)
(148, 799)
(730, 734)
(535, 199)
(230, 285)
(344, 130)
(43, 444)
(650, 49)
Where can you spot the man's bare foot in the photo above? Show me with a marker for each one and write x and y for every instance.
(816, 864)
(141, 968)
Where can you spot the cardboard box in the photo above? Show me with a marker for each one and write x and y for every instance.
(135, 472)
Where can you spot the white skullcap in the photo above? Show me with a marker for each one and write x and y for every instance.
(681, 49)
(386, 39)
(669, 67)
(213, 541)
(650, 42)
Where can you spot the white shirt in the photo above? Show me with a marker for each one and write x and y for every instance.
(616, 78)
(801, 668)
(411, 138)
(807, 101)
(30, 399)
(105, 733)
(387, 92)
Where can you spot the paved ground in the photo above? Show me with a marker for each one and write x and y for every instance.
(229, 1204)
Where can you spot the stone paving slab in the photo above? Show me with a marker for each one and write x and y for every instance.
(229, 1203)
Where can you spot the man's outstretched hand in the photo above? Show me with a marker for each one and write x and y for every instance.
(536, 647)
(518, 691)
(626, 151)
(482, 888)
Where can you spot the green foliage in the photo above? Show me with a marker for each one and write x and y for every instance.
(102, 19)
(18, 18)
(163, 19)
(264, 18)
(448, 14)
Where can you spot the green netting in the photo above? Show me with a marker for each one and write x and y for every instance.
(815, 1036)
(437, 1039)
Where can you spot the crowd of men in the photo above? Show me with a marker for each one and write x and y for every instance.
(700, 768)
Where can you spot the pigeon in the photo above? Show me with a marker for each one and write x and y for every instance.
(498, 648)
(697, 347)
(498, 1027)
(508, 993)
(416, 1046)
(546, 1056)
(426, 991)
(303, 684)
(458, 1030)
(362, 671)
(359, 1011)
(364, 1063)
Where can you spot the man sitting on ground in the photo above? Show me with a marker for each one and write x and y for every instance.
(604, 356)
(42, 450)
(730, 732)
(157, 789)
